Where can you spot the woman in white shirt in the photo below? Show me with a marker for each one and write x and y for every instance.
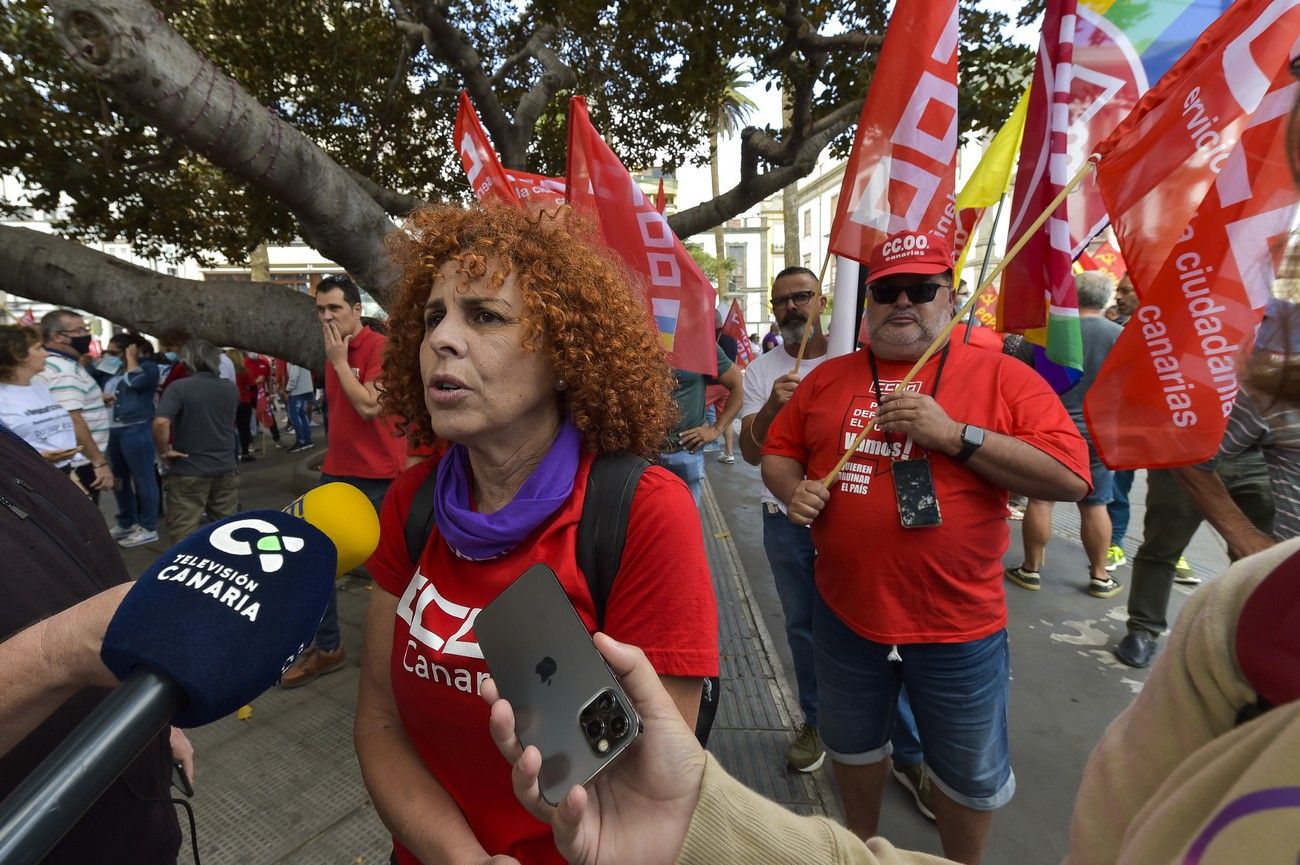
(26, 406)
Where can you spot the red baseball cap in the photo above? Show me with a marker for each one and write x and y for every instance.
(909, 252)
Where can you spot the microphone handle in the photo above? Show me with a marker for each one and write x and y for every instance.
(59, 791)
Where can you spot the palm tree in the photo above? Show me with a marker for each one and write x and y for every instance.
(732, 111)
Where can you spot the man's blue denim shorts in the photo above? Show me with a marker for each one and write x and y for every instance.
(958, 691)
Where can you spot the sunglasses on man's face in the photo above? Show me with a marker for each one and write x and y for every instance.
(921, 292)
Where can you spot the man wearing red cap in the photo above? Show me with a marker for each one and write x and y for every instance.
(910, 537)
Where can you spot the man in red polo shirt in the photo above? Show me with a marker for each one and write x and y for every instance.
(364, 449)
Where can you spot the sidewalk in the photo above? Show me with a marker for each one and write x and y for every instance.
(283, 786)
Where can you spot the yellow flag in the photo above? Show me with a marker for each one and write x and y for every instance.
(992, 177)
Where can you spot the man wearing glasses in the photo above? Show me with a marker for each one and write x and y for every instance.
(910, 536)
(67, 340)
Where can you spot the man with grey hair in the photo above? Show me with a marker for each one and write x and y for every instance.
(1099, 334)
(67, 341)
(194, 432)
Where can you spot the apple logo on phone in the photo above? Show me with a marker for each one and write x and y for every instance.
(545, 669)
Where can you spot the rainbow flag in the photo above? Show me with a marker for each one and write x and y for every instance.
(666, 312)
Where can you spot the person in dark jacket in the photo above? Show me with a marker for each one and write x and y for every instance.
(58, 553)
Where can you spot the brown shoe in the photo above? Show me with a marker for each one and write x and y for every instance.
(313, 663)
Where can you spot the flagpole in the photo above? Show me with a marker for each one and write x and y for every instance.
(939, 340)
(984, 265)
(807, 325)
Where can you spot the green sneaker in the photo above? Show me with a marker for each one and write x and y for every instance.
(1115, 557)
(1025, 579)
(805, 753)
(1184, 574)
(916, 780)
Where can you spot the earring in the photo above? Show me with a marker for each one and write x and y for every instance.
(561, 384)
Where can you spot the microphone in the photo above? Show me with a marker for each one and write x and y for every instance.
(213, 623)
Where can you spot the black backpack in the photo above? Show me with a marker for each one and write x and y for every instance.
(602, 532)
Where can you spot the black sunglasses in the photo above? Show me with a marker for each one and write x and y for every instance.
(799, 298)
(921, 292)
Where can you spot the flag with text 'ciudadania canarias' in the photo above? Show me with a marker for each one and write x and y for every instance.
(677, 293)
(901, 173)
(1037, 297)
(1201, 200)
(488, 178)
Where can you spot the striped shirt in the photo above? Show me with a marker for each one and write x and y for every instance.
(1277, 431)
(74, 389)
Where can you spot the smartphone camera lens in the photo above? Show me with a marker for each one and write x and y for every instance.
(618, 726)
(595, 729)
(605, 702)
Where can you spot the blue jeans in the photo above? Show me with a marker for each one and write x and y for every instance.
(1119, 507)
(958, 691)
(791, 555)
(328, 635)
(131, 454)
(687, 466)
(298, 417)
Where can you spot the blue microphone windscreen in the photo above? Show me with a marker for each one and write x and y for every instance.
(225, 611)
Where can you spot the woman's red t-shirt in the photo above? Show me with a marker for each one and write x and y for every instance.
(662, 601)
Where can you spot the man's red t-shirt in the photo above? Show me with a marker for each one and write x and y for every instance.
(926, 585)
(358, 447)
(662, 601)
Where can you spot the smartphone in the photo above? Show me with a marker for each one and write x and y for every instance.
(566, 700)
(918, 506)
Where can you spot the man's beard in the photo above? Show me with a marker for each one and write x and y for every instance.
(929, 330)
(792, 330)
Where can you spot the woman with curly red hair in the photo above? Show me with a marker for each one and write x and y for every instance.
(522, 346)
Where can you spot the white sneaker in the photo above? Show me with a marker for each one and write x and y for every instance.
(117, 532)
(138, 538)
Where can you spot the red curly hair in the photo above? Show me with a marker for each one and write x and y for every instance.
(580, 308)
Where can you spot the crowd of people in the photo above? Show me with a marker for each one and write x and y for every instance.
(475, 426)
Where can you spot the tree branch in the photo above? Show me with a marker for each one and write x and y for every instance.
(128, 47)
(53, 270)
(556, 75)
(392, 201)
(754, 187)
(444, 40)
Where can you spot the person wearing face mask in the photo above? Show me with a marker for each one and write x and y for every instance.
(129, 377)
(67, 341)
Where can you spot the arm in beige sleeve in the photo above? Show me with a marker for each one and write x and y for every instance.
(1192, 696)
(733, 825)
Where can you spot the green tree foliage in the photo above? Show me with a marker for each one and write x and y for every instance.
(374, 82)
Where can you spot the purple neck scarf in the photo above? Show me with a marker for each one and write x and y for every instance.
(479, 537)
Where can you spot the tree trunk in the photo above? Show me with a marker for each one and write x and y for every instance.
(128, 47)
(719, 239)
(790, 197)
(259, 264)
(254, 315)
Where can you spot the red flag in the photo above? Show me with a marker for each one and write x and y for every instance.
(487, 177)
(677, 294)
(29, 317)
(734, 327)
(1040, 275)
(661, 200)
(902, 172)
(1105, 260)
(1196, 181)
(967, 219)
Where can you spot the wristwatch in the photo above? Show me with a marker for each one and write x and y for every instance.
(971, 439)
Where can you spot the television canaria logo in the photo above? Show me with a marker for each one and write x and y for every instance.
(270, 546)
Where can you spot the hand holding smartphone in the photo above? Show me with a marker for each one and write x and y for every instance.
(567, 703)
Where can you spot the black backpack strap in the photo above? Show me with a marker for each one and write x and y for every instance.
(419, 519)
(602, 528)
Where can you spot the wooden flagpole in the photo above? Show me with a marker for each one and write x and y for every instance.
(961, 313)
